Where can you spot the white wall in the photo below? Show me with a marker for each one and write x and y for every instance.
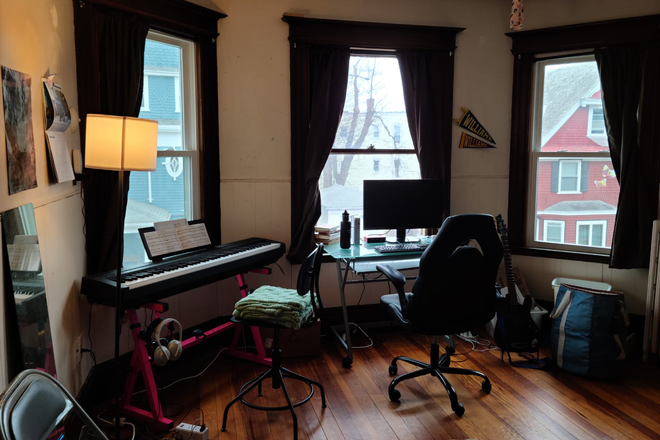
(36, 37)
(255, 114)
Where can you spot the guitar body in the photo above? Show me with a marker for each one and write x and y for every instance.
(515, 330)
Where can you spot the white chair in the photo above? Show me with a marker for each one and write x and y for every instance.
(34, 403)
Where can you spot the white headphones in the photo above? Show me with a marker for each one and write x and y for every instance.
(173, 349)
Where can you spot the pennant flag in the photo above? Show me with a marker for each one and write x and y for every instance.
(470, 123)
(468, 141)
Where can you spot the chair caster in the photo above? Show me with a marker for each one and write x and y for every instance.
(395, 395)
(347, 362)
(450, 350)
(393, 370)
(486, 386)
(458, 409)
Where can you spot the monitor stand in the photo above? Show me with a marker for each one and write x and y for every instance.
(402, 238)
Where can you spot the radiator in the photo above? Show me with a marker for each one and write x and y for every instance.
(652, 322)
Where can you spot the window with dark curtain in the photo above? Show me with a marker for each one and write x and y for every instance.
(105, 88)
(427, 54)
(637, 147)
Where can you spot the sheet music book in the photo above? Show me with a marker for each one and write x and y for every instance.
(174, 236)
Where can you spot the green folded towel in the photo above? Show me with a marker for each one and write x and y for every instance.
(287, 299)
(275, 305)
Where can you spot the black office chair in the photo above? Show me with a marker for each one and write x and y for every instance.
(454, 293)
(308, 281)
(34, 403)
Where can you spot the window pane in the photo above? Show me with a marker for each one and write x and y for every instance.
(569, 184)
(583, 234)
(570, 91)
(162, 65)
(597, 235)
(166, 193)
(595, 200)
(374, 98)
(343, 176)
(553, 232)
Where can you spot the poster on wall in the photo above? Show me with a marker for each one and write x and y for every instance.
(21, 164)
(471, 124)
(57, 121)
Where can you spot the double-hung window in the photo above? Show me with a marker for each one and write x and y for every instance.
(171, 191)
(373, 140)
(573, 189)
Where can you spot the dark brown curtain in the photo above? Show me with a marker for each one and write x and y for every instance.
(628, 72)
(328, 77)
(428, 78)
(110, 64)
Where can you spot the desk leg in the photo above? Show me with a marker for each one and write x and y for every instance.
(348, 360)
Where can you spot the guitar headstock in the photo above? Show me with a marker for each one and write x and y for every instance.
(501, 226)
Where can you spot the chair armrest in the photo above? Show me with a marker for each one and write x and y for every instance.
(398, 280)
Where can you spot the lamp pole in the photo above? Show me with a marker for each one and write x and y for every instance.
(118, 304)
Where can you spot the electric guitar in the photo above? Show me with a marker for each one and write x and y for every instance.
(515, 330)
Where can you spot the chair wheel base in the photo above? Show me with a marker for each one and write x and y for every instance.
(458, 409)
(347, 362)
(450, 350)
(486, 386)
(393, 370)
(395, 395)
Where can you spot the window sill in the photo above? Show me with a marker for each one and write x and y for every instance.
(561, 255)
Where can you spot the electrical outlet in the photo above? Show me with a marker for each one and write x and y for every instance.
(77, 350)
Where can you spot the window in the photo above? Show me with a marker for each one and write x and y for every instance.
(596, 121)
(397, 133)
(553, 231)
(376, 131)
(591, 233)
(144, 107)
(569, 176)
(170, 192)
(572, 178)
(374, 89)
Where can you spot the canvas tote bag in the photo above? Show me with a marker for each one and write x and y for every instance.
(589, 331)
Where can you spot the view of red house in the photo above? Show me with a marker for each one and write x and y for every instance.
(576, 196)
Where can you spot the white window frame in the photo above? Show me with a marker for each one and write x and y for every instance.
(188, 109)
(536, 156)
(579, 177)
(591, 224)
(590, 133)
(547, 223)
(144, 106)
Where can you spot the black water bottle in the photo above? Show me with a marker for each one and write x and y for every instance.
(345, 231)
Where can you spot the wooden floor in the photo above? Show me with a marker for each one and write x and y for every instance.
(523, 404)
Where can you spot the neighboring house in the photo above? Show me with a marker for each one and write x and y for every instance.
(158, 195)
(576, 198)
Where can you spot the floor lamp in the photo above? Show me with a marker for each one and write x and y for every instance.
(119, 143)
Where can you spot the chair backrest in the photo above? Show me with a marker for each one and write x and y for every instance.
(455, 289)
(34, 403)
(308, 281)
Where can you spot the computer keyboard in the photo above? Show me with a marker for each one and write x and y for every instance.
(414, 247)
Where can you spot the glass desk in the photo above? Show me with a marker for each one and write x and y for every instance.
(362, 259)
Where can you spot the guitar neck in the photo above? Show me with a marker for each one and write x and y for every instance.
(508, 267)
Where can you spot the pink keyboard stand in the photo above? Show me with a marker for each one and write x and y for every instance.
(141, 361)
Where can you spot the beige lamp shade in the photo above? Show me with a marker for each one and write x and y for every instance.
(120, 143)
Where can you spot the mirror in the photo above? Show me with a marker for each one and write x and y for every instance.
(24, 277)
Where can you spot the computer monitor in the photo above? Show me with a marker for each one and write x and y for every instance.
(403, 204)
